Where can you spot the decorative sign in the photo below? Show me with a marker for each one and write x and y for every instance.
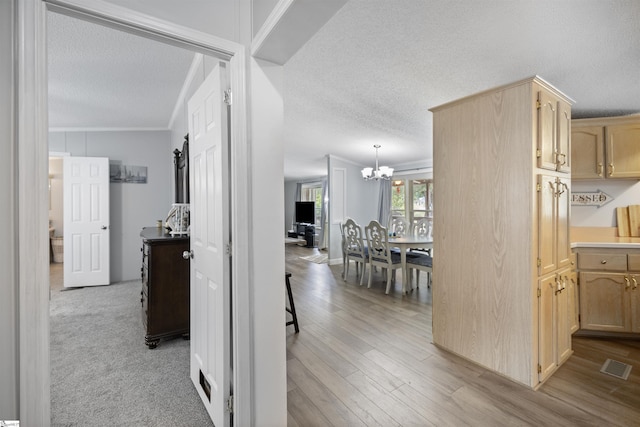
(594, 198)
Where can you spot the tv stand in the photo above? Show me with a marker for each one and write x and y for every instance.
(308, 231)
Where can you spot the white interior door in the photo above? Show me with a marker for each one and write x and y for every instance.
(210, 264)
(86, 221)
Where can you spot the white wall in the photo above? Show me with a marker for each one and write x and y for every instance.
(289, 203)
(361, 205)
(624, 193)
(8, 283)
(267, 117)
(132, 206)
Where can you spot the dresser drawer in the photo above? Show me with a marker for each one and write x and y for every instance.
(145, 254)
(602, 261)
(634, 262)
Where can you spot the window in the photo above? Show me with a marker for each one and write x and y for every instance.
(412, 198)
(313, 193)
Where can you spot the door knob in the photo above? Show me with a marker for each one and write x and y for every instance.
(187, 254)
(104, 227)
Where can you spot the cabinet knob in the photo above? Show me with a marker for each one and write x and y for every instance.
(187, 254)
(604, 261)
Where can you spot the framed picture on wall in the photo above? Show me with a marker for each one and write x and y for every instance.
(128, 174)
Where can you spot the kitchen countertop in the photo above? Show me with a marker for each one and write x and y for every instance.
(601, 237)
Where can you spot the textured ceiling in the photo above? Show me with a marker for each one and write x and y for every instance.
(102, 78)
(371, 73)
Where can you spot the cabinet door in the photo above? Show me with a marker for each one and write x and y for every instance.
(634, 300)
(563, 309)
(587, 152)
(554, 248)
(546, 225)
(573, 298)
(562, 209)
(623, 151)
(547, 360)
(604, 302)
(547, 116)
(563, 144)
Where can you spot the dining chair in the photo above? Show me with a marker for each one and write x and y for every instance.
(399, 226)
(354, 248)
(421, 262)
(421, 259)
(422, 227)
(380, 255)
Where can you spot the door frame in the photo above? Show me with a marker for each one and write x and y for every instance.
(31, 118)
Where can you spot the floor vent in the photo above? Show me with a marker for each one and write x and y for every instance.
(616, 369)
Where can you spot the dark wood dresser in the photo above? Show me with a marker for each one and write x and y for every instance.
(165, 285)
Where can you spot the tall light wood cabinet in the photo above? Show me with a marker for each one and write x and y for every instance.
(501, 184)
(606, 147)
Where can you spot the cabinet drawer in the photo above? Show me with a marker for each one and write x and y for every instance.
(602, 261)
(634, 262)
(145, 254)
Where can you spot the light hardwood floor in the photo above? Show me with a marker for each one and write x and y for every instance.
(363, 358)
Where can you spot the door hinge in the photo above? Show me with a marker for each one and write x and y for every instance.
(538, 104)
(538, 187)
(230, 404)
(538, 152)
(228, 99)
(228, 248)
(539, 293)
(539, 262)
(539, 369)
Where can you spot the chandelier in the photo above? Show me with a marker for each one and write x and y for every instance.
(382, 172)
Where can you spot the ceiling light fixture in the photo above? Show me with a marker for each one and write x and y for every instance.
(382, 172)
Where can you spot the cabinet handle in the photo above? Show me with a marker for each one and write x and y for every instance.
(562, 187)
(600, 169)
(628, 283)
(563, 157)
(635, 282)
(558, 285)
(611, 169)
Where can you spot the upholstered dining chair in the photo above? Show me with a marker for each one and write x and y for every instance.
(380, 255)
(399, 226)
(421, 259)
(354, 248)
(422, 227)
(421, 262)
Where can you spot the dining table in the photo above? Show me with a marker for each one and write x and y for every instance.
(404, 244)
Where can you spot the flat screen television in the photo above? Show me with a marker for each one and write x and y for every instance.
(305, 212)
